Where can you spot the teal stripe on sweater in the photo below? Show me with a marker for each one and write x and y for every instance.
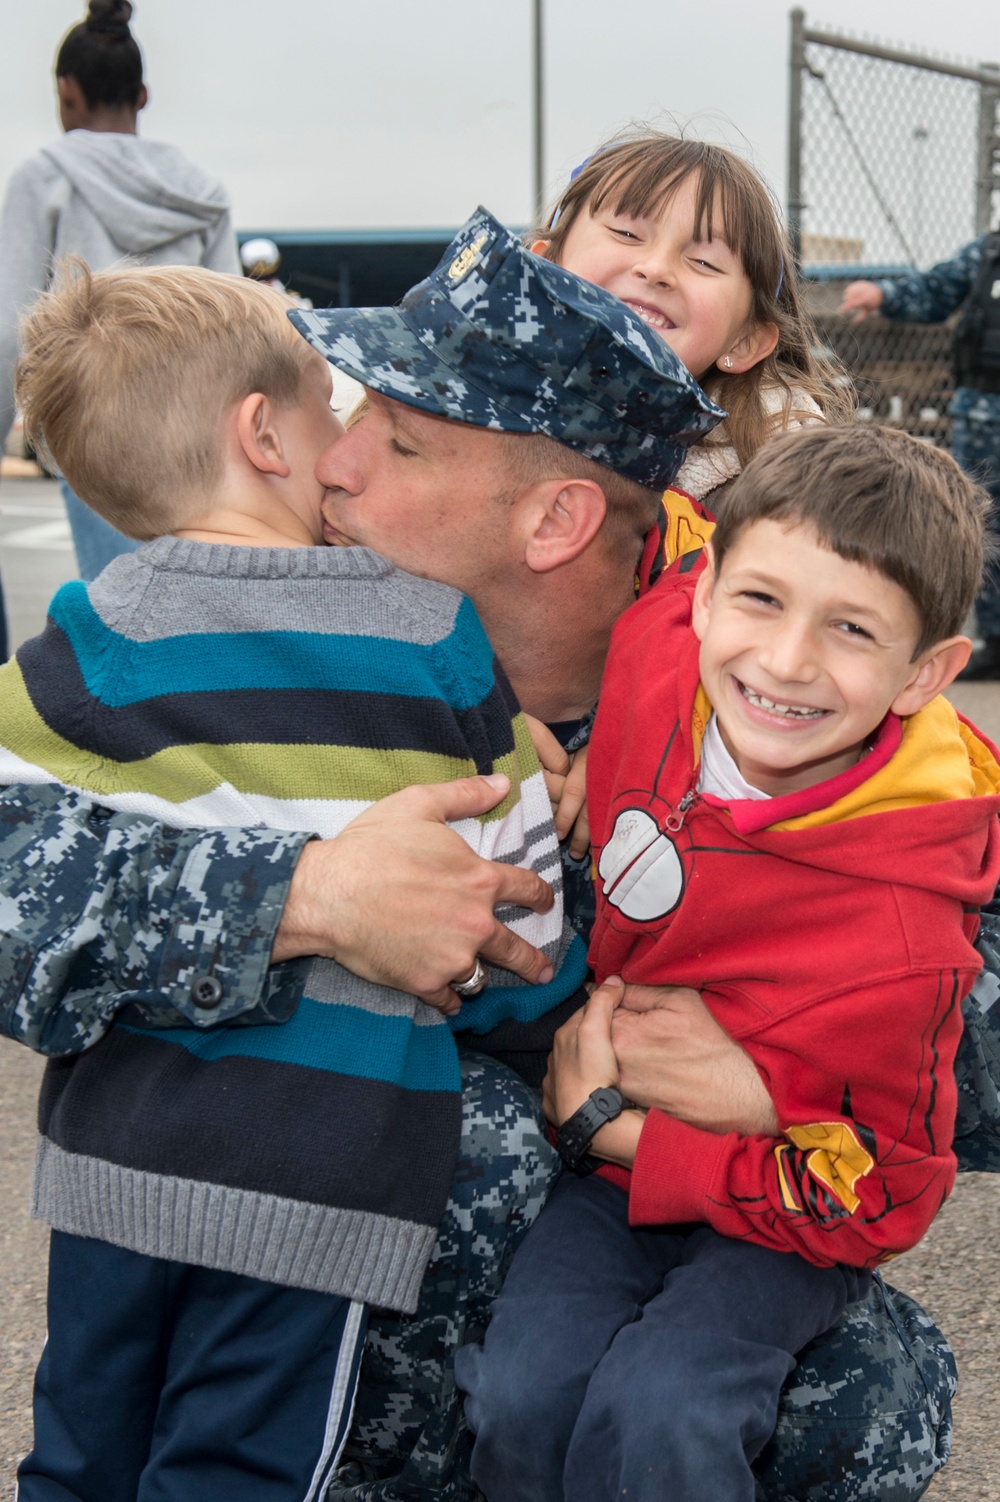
(336, 1038)
(523, 1003)
(262, 660)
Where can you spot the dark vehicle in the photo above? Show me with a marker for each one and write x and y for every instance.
(354, 268)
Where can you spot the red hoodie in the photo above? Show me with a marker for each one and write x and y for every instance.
(829, 932)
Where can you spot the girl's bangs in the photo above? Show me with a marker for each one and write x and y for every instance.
(640, 187)
(639, 178)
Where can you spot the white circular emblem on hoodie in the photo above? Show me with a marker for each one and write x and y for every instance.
(642, 873)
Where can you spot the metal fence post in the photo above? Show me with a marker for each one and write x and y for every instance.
(988, 151)
(538, 115)
(796, 63)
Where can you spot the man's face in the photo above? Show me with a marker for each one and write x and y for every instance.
(427, 493)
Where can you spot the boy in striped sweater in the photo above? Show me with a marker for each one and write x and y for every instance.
(227, 1203)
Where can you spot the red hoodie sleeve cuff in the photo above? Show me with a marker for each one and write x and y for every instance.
(674, 1169)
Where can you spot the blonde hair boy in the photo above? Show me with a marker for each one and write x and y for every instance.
(300, 1171)
(127, 378)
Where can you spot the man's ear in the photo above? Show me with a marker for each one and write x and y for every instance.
(259, 436)
(702, 601)
(563, 518)
(752, 347)
(932, 673)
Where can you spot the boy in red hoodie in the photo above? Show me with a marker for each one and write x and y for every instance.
(790, 819)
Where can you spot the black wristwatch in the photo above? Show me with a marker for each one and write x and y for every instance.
(578, 1131)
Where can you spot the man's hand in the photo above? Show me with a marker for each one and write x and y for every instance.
(400, 899)
(566, 783)
(674, 1055)
(861, 300)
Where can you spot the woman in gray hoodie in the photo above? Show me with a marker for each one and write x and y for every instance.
(101, 193)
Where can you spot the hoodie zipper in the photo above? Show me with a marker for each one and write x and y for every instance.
(675, 822)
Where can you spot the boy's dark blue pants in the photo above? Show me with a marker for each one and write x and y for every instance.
(637, 1363)
(161, 1382)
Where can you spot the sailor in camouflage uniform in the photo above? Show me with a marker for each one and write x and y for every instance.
(970, 281)
(91, 901)
(104, 910)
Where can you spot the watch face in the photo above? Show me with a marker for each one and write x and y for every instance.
(608, 1099)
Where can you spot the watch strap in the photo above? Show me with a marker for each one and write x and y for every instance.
(577, 1132)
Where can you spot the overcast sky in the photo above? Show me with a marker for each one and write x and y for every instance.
(334, 114)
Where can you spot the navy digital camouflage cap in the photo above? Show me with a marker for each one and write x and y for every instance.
(501, 338)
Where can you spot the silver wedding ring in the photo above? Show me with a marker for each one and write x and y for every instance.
(474, 983)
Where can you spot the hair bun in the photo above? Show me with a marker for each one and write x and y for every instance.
(110, 17)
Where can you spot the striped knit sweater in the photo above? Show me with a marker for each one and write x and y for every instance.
(209, 684)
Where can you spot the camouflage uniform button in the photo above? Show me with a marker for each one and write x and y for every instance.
(99, 816)
(206, 992)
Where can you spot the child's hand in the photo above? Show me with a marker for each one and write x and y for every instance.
(583, 1057)
(555, 762)
(571, 815)
(566, 783)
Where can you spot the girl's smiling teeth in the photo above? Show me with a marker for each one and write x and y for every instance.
(788, 711)
(650, 315)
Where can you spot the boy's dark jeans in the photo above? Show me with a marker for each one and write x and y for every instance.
(638, 1363)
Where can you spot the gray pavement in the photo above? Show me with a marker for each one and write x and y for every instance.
(36, 556)
(953, 1272)
(36, 552)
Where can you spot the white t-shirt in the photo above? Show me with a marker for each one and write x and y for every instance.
(718, 773)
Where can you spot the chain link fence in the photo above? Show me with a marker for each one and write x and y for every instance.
(893, 165)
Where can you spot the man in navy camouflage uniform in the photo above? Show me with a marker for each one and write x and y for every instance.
(101, 911)
(105, 910)
(971, 281)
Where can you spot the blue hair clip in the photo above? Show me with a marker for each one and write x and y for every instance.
(572, 177)
(781, 280)
(576, 173)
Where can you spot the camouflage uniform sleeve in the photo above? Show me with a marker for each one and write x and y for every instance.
(102, 911)
(977, 1066)
(932, 296)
